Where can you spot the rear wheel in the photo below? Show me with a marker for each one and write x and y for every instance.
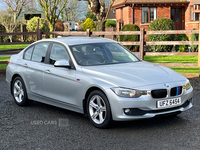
(19, 92)
(98, 109)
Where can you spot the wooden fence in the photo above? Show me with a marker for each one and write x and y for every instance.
(141, 43)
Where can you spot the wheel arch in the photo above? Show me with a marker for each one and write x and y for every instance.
(13, 77)
(86, 96)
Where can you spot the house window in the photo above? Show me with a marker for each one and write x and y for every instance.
(194, 16)
(148, 14)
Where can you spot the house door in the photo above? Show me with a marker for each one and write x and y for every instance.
(176, 14)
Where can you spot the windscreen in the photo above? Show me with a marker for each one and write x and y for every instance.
(101, 54)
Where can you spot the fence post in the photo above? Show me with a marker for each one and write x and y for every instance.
(39, 34)
(142, 43)
(88, 33)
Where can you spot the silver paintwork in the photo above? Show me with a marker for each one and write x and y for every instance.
(67, 88)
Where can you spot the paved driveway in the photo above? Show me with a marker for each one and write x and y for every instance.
(44, 127)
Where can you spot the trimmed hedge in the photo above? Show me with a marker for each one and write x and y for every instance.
(130, 27)
(161, 24)
(89, 24)
(110, 23)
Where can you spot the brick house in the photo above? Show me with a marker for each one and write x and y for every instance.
(142, 12)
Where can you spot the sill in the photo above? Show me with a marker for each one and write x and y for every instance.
(145, 24)
(193, 22)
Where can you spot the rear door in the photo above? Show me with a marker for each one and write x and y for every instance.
(34, 63)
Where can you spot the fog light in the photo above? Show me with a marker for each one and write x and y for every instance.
(127, 110)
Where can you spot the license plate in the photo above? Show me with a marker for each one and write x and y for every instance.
(169, 102)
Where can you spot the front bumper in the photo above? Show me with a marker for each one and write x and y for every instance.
(145, 106)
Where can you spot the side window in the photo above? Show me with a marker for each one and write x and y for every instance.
(39, 52)
(28, 53)
(58, 52)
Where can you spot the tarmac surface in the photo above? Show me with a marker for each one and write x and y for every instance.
(44, 127)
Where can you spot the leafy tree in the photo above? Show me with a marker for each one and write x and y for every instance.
(98, 9)
(88, 24)
(52, 11)
(32, 24)
(91, 16)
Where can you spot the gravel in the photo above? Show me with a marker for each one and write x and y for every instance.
(44, 127)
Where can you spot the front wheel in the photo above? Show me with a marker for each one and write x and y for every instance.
(98, 109)
(19, 92)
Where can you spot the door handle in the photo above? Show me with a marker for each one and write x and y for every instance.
(47, 71)
(25, 65)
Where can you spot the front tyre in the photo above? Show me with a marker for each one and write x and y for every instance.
(98, 109)
(19, 92)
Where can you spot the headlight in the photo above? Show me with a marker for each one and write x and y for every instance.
(129, 93)
(187, 86)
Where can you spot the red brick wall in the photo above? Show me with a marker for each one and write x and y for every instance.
(164, 12)
(118, 14)
(189, 25)
(127, 15)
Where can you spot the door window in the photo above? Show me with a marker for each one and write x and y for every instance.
(39, 52)
(58, 52)
(28, 53)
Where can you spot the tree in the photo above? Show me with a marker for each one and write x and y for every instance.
(98, 9)
(72, 10)
(91, 15)
(7, 21)
(32, 24)
(15, 7)
(52, 11)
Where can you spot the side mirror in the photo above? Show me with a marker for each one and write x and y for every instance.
(137, 55)
(62, 63)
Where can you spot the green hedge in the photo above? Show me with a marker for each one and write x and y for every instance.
(157, 25)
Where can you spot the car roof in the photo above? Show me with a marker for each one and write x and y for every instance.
(76, 40)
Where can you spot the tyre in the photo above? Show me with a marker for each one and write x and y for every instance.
(19, 92)
(98, 109)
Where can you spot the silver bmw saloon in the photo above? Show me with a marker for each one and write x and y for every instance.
(98, 78)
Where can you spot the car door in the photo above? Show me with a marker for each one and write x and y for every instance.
(59, 82)
(34, 58)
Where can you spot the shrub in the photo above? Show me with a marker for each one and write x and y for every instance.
(161, 24)
(88, 24)
(130, 27)
(194, 37)
(110, 23)
(181, 48)
(32, 24)
(59, 26)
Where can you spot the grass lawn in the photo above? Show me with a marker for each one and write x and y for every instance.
(186, 69)
(176, 59)
(3, 66)
(4, 58)
(171, 59)
(8, 47)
